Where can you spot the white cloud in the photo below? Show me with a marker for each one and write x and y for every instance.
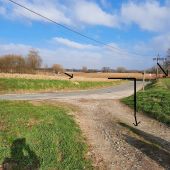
(49, 9)
(2, 10)
(72, 44)
(20, 49)
(71, 12)
(76, 58)
(162, 42)
(149, 15)
(158, 44)
(91, 13)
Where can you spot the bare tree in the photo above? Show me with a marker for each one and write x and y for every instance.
(121, 69)
(167, 62)
(84, 69)
(33, 60)
(12, 63)
(57, 68)
(106, 69)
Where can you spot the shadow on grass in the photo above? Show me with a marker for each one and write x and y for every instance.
(154, 147)
(22, 157)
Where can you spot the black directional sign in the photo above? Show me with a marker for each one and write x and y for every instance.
(135, 98)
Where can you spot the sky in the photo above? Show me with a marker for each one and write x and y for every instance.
(137, 30)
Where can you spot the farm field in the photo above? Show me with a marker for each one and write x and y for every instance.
(121, 75)
(8, 85)
(40, 136)
(154, 101)
(78, 76)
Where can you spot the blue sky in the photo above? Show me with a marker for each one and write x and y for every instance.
(138, 30)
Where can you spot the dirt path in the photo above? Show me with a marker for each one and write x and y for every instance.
(115, 143)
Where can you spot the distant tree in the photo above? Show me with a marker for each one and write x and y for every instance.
(84, 69)
(57, 68)
(121, 69)
(167, 62)
(106, 70)
(45, 66)
(33, 60)
(150, 70)
(12, 63)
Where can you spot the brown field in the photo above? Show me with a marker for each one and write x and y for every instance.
(79, 76)
(115, 75)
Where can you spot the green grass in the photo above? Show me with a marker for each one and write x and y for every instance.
(16, 84)
(154, 101)
(41, 136)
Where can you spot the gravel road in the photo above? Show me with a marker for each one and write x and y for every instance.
(115, 92)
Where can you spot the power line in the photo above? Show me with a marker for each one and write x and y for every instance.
(72, 30)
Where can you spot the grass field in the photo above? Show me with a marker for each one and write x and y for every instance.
(40, 136)
(20, 84)
(154, 101)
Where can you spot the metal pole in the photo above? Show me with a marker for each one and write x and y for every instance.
(135, 104)
(135, 99)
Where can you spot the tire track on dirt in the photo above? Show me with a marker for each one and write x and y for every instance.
(115, 143)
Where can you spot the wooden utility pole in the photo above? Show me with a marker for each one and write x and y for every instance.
(157, 59)
(143, 81)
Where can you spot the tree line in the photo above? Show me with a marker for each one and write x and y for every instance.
(12, 63)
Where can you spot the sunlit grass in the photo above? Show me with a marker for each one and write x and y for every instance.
(16, 84)
(154, 101)
(41, 136)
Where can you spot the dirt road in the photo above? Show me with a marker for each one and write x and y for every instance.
(115, 144)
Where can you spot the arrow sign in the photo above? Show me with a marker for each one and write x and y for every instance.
(136, 123)
(70, 75)
(166, 73)
(135, 98)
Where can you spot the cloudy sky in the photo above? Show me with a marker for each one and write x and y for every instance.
(137, 30)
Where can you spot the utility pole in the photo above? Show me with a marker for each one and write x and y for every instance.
(144, 80)
(157, 59)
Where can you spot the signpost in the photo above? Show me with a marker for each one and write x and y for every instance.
(135, 97)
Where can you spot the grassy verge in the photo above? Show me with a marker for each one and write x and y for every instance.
(155, 101)
(16, 84)
(40, 136)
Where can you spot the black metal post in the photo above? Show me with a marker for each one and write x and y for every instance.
(135, 97)
(135, 104)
